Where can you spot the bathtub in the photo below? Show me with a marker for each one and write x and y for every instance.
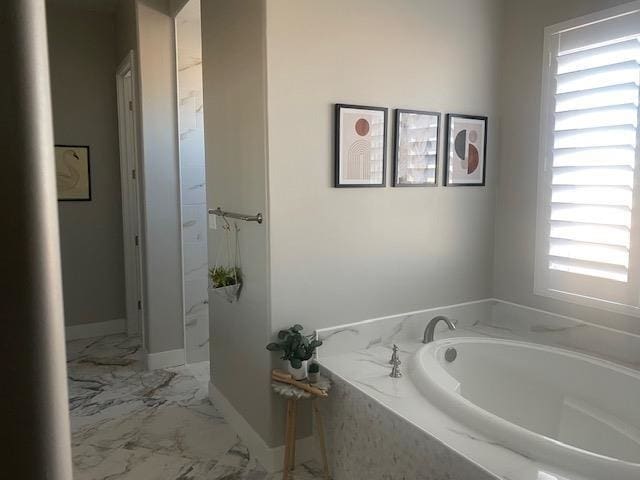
(548, 404)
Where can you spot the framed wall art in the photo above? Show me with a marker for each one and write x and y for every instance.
(465, 158)
(415, 162)
(73, 172)
(360, 146)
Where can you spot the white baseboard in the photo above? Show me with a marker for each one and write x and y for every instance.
(169, 358)
(97, 329)
(269, 457)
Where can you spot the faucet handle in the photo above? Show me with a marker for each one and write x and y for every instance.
(395, 362)
(394, 356)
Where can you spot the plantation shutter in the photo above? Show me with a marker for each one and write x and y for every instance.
(588, 214)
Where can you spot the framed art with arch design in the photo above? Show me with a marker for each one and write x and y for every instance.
(466, 151)
(360, 146)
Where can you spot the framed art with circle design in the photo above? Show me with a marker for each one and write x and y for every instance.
(466, 152)
(416, 149)
(360, 146)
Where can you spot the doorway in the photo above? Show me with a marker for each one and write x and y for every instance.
(130, 186)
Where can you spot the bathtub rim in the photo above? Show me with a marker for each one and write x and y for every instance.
(530, 444)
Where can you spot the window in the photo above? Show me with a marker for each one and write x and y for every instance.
(587, 246)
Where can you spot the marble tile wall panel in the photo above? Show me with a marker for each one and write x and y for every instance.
(556, 330)
(194, 224)
(195, 262)
(490, 318)
(193, 185)
(196, 297)
(197, 337)
(387, 330)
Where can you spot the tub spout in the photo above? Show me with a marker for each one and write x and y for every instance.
(431, 327)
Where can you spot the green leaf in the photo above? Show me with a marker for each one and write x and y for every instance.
(297, 328)
(275, 347)
(295, 363)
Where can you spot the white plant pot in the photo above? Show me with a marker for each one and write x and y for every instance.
(229, 293)
(298, 373)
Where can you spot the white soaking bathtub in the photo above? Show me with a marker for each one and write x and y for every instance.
(548, 404)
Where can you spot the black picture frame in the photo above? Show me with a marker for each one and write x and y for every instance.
(88, 197)
(396, 146)
(338, 183)
(446, 181)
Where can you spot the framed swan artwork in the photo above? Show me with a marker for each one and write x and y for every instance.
(73, 173)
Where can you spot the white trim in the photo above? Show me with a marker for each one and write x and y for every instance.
(169, 358)
(96, 329)
(269, 457)
(596, 17)
(598, 303)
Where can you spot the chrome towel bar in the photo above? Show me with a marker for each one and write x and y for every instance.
(240, 216)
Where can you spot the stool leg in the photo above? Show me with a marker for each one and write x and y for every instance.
(323, 448)
(287, 441)
(293, 435)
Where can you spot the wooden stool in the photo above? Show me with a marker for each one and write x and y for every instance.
(293, 393)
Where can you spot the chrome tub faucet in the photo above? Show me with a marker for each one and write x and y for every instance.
(431, 327)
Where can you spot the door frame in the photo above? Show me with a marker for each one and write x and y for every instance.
(131, 189)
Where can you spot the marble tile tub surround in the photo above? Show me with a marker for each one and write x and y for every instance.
(131, 424)
(356, 357)
(493, 318)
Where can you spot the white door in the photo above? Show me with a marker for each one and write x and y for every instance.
(130, 184)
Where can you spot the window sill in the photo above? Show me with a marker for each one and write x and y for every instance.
(588, 301)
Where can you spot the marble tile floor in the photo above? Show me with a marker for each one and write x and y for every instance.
(131, 424)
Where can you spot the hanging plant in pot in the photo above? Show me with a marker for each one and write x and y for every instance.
(225, 278)
(296, 349)
(226, 282)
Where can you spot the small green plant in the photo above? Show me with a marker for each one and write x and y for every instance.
(224, 277)
(295, 346)
(314, 368)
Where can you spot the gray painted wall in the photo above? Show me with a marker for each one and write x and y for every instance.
(521, 77)
(82, 49)
(328, 254)
(343, 255)
(234, 65)
(125, 28)
(160, 178)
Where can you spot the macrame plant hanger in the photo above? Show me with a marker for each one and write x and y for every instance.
(227, 270)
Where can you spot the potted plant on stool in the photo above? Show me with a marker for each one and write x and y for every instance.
(296, 348)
